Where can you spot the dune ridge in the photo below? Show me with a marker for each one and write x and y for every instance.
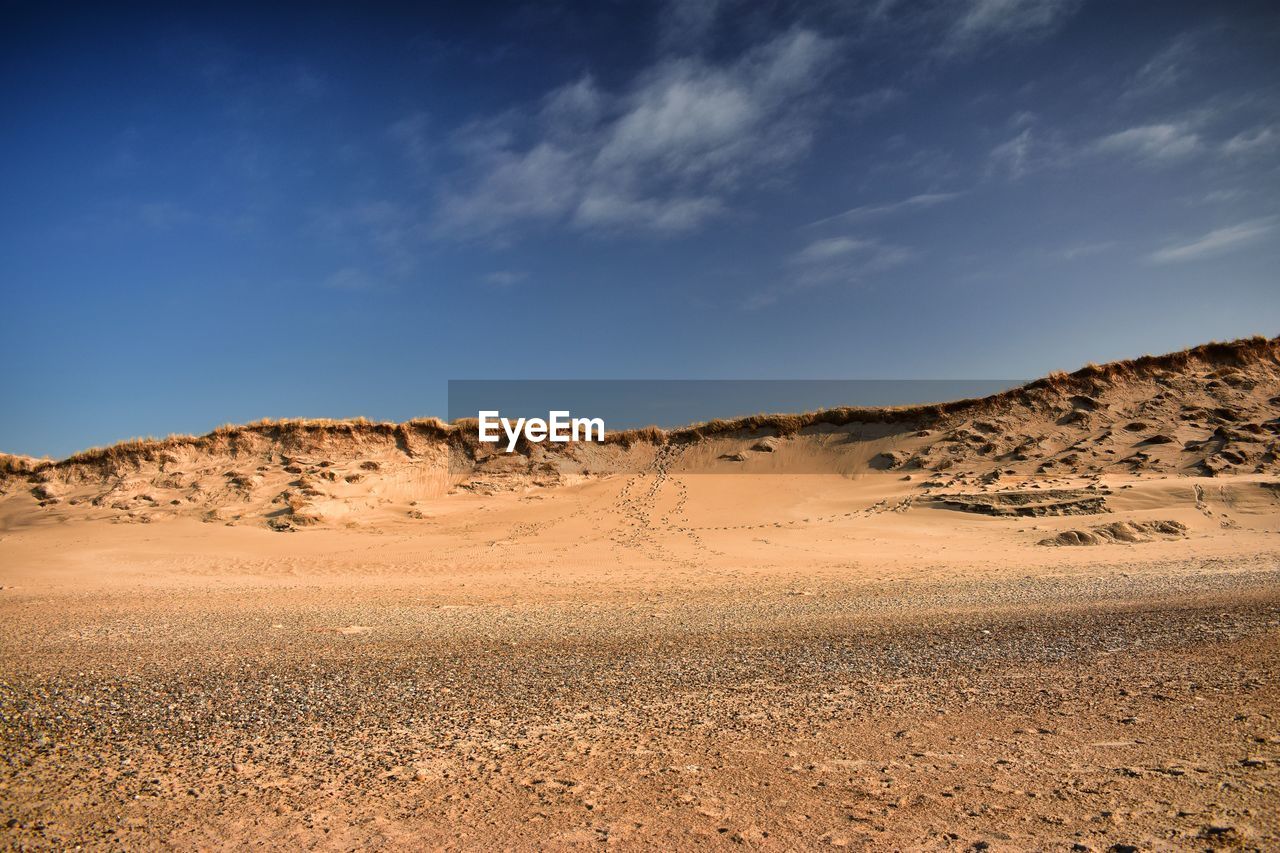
(1241, 353)
(1205, 411)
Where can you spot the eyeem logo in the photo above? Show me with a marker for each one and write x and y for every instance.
(559, 427)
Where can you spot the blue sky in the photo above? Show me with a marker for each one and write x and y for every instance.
(215, 215)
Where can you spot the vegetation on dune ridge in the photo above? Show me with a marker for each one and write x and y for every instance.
(1257, 349)
(12, 465)
(268, 428)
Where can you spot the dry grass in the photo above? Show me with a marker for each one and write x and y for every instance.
(14, 465)
(149, 448)
(640, 435)
(1085, 380)
(1088, 379)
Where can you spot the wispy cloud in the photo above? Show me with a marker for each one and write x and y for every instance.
(1216, 242)
(763, 299)
(664, 156)
(915, 202)
(983, 21)
(1152, 143)
(1224, 196)
(1014, 157)
(830, 261)
(1170, 66)
(1084, 250)
(1252, 142)
(1032, 148)
(1160, 144)
(820, 251)
(874, 101)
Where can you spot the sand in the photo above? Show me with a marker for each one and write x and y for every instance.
(654, 646)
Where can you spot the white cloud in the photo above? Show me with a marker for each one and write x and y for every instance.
(540, 183)
(832, 247)
(830, 261)
(1224, 196)
(1022, 118)
(601, 210)
(1014, 157)
(665, 156)
(1166, 69)
(946, 30)
(1248, 143)
(983, 21)
(922, 200)
(763, 299)
(1084, 250)
(1215, 242)
(572, 109)
(872, 102)
(1031, 149)
(870, 257)
(1154, 143)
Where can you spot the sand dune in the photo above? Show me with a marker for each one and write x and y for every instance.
(1205, 412)
(1039, 619)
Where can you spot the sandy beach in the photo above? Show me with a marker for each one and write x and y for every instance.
(675, 652)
